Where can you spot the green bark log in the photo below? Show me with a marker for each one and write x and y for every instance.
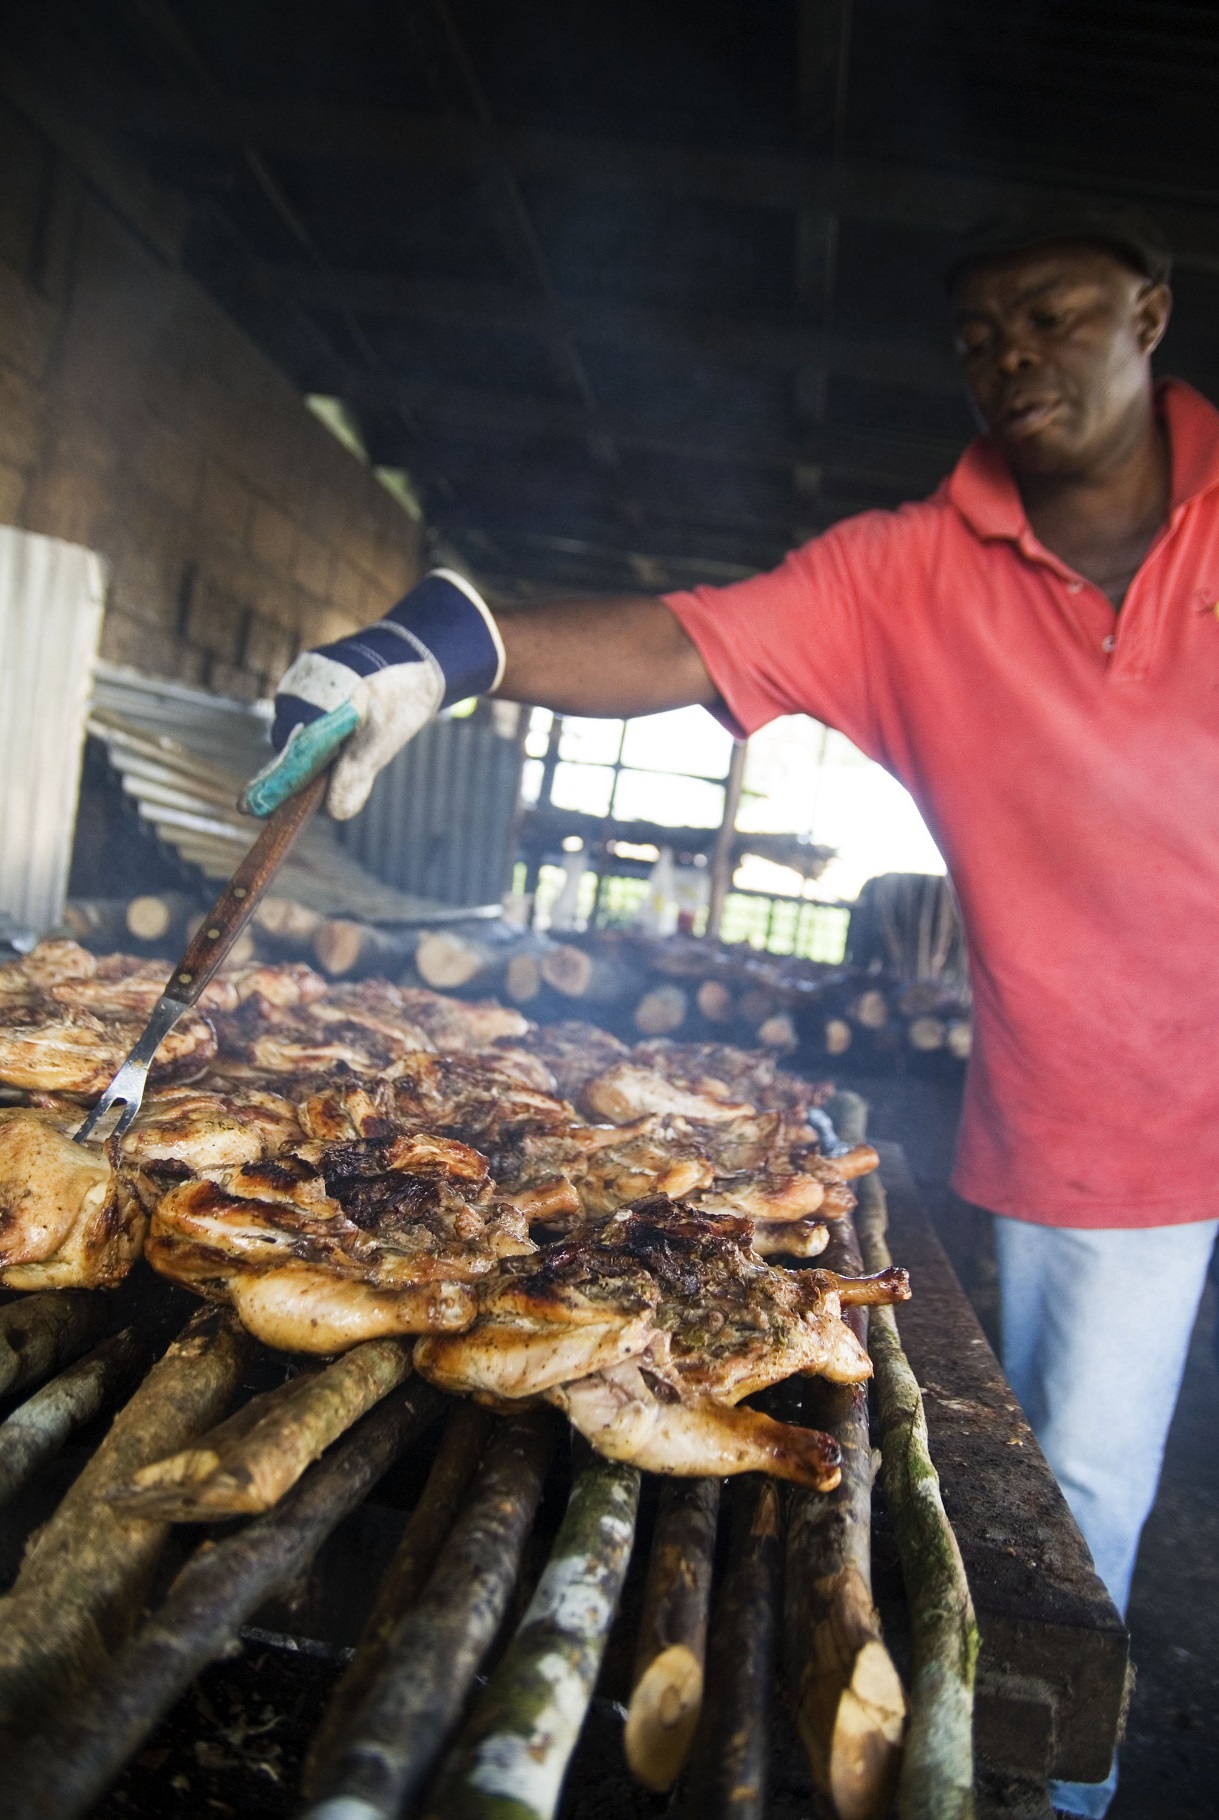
(937, 1772)
(430, 1523)
(85, 1573)
(247, 1464)
(65, 1768)
(39, 1427)
(846, 1693)
(430, 1660)
(731, 1753)
(40, 1332)
(510, 1761)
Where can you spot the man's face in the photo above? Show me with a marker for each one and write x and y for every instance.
(1056, 346)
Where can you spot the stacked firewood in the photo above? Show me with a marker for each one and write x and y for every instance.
(901, 998)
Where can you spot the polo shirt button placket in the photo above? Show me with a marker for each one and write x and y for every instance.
(1108, 644)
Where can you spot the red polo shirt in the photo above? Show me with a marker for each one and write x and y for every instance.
(1066, 759)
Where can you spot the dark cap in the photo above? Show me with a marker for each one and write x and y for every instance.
(1020, 227)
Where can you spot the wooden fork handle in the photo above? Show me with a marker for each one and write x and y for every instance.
(231, 911)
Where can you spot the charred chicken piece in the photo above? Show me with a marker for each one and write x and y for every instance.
(625, 1413)
(478, 1098)
(81, 1053)
(702, 1322)
(724, 1072)
(544, 1320)
(603, 1167)
(68, 1218)
(202, 1128)
(457, 1024)
(790, 1238)
(574, 1052)
(626, 1092)
(735, 1323)
(409, 1218)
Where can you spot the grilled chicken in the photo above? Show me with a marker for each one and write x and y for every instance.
(625, 1092)
(80, 1053)
(602, 1167)
(574, 1052)
(727, 1073)
(544, 1320)
(698, 1321)
(624, 1414)
(456, 1024)
(203, 1129)
(410, 1218)
(68, 1218)
(482, 1099)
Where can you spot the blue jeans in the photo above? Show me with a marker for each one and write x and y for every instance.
(1096, 1328)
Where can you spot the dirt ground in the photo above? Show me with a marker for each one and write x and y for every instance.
(1170, 1761)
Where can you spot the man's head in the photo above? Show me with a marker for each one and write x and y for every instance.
(1056, 320)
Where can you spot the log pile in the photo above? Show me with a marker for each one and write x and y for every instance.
(901, 999)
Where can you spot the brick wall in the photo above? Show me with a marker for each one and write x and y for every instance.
(136, 418)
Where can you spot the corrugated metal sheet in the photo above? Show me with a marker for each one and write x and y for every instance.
(183, 757)
(51, 599)
(440, 819)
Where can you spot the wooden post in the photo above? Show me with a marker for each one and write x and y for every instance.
(721, 856)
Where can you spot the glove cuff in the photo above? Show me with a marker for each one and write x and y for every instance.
(446, 619)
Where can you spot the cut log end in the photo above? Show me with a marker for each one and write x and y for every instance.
(445, 961)
(871, 1010)
(568, 969)
(149, 918)
(661, 1011)
(865, 1748)
(838, 1036)
(958, 1039)
(663, 1716)
(523, 980)
(926, 1034)
(778, 1031)
(715, 1002)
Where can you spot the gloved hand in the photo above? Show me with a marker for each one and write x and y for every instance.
(439, 645)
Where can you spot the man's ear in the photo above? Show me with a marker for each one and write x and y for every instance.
(1152, 308)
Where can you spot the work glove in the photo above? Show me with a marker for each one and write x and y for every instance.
(439, 645)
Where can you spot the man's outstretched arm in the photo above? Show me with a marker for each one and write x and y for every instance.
(618, 656)
(625, 654)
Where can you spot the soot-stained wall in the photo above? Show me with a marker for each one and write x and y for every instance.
(137, 419)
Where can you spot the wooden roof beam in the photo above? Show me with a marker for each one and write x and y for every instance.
(765, 345)
(937, 201)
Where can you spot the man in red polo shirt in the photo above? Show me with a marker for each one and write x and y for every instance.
(1034, 653)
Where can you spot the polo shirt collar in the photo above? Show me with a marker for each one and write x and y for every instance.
(984, 492)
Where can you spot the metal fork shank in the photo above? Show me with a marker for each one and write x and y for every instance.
(128, 1084)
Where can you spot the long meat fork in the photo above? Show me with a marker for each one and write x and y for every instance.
(287, 792)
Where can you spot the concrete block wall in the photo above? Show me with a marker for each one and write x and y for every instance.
(137, 418)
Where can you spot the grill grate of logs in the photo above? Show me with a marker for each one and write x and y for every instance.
(510, 1597)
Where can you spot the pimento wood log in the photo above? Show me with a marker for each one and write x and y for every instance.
(936, 1781)
(510, 1760)
(731, 1750)
(430, 1522)
(667, 1688)
(39, 1427)
(65, 1766)
(416, 1696)
(38, 1333)
(846, 1694)
(86, 1571)
(249, 1462)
